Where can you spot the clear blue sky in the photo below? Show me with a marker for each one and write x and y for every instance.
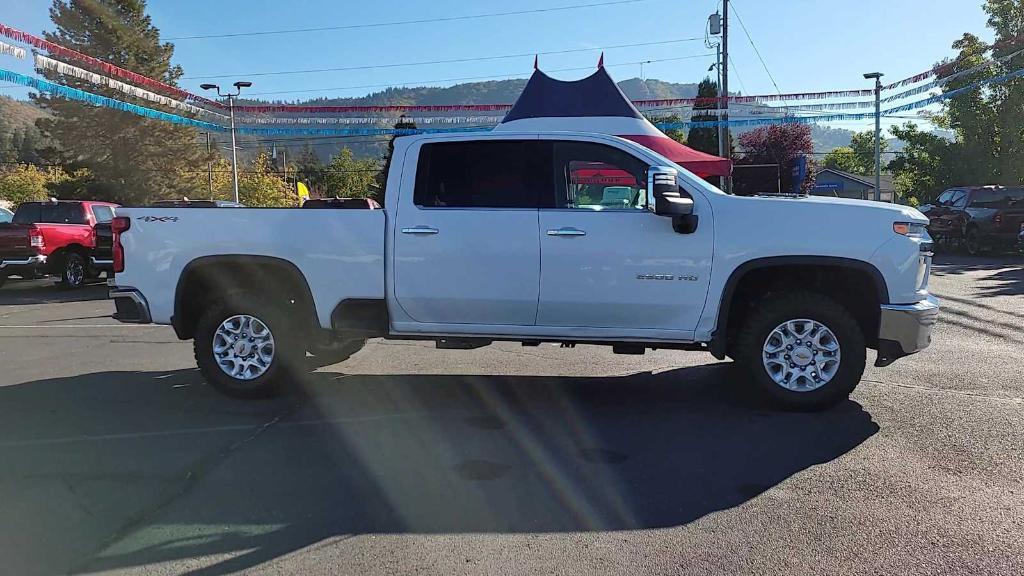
(808, 45)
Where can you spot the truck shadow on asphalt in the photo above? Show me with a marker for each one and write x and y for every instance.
(996, 275)
(18, 293)
(125, 469)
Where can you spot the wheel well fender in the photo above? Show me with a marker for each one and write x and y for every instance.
(816, 264)
(211, 277)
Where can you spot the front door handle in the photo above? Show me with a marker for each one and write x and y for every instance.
(419, 230)
(566, 232)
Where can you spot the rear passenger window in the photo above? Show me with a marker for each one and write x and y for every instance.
(481, 174)
(63, 213)
(103, 214)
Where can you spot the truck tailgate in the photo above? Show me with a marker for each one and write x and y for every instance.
(340, 253)
(14, 241)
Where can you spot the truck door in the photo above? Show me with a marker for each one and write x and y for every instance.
(609, 262)
(466, 248)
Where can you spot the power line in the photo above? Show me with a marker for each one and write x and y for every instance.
(429, 62)
(754, 46)
(510, 75)
(736, 73)
(405, 22)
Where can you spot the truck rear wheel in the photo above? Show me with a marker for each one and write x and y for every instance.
(802, 350)
(72, 270)
(246, 349)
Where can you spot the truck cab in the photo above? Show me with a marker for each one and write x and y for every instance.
(540, 237)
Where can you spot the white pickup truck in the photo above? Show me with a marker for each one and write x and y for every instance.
(538, 237)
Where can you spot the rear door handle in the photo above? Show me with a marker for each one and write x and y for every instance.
(419, 230)
(566, 232)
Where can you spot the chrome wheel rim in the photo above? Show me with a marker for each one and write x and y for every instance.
(243, 347)
(801, 355)
(75, 272)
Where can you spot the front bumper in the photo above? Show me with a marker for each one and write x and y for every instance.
(130, 305)
(905, 329)
(20, 265)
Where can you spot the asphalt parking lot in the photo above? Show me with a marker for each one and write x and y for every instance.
(116, 458)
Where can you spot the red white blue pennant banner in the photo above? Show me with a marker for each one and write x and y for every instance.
(44, 63)
(9, 50)
(106, 68)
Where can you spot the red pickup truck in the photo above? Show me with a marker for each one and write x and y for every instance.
(68, 238)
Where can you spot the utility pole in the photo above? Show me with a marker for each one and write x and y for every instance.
(722, 152)
(725, 85)
(234, 147)
(231, 112)
(878, 132)
(209, 163)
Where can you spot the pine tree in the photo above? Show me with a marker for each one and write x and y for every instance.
(705, 139)
(132, 160)
(309, 169)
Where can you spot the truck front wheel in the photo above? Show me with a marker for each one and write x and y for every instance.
(803, 351)
(246, 349)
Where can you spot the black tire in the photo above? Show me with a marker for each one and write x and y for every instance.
(3, 279)
(72, 271)
(328, 355)
(287, 358)
(972, 243)
(776, 309)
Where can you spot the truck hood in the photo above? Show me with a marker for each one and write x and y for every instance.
(867, 208)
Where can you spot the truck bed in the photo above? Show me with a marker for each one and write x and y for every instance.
(339, 252)
(14, 241)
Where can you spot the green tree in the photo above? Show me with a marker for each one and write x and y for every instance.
(863, 146)
(1006, 18)
(132, 159)
(26, 183)
(677, 134)
(705, 139)
(347, 177)
(842, 158)
(309, 169)
(259, 185)
(927, 165)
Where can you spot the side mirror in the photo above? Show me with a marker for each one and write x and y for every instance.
(668, 201)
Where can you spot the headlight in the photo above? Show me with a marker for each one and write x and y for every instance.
(910, 229)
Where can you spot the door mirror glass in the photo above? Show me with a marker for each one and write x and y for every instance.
(668, 198)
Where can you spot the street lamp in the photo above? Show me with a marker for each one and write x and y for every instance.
(877, 76)
(231, 110)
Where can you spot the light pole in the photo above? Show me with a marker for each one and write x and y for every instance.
(231, 112)
(878, 132)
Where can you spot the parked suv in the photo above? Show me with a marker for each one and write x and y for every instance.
(67, 239)
(978, 217)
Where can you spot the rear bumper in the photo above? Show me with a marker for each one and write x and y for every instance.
(101, 263)
(130, 305)
(22, 264)
(905, 329)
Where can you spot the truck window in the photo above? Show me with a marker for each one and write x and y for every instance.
(103, 214)
(26, 214)
(481, 174)
(598, 177)
(62, 213)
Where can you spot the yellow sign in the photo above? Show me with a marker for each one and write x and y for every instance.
(303, 191)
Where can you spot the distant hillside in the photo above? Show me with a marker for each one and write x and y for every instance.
(17, 115)
(490, 92)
